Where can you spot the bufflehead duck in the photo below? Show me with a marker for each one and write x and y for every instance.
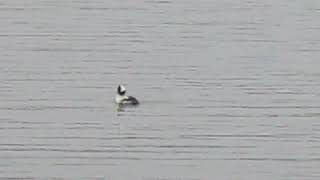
(121, 98)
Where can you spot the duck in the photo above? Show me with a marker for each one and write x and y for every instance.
(123, 99)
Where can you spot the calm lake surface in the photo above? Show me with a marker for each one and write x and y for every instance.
(229, 89)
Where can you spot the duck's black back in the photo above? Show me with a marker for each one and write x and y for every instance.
(133, 100)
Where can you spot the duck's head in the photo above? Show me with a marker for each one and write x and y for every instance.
(121, 90)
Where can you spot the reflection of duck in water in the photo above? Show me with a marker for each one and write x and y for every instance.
(122, 99)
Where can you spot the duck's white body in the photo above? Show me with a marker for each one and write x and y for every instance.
(120, 99)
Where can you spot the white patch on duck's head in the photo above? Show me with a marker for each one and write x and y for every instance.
(121, 90)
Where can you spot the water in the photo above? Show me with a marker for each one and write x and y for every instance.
(228, 90)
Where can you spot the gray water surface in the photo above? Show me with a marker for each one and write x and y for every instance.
(228, 90)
